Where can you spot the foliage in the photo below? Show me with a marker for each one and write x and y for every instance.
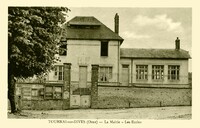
(33, 37)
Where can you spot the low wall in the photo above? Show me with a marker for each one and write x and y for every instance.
(44, 104)
(162, 85)
(125, 97)
(38, 102)
(121, 97)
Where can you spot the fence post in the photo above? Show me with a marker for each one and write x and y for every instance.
(94, 86)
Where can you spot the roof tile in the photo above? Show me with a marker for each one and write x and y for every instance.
(100, 32)
(154, 53)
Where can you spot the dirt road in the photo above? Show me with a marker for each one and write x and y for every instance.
(182, 112)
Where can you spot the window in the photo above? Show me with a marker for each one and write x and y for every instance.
(63, 50)
(157, 72)
(58, 72)
(53, 92)
(141, 72)
(104, 48)
(173, 72)
(125, 66)
(105, 73)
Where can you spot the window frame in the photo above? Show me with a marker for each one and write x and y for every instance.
(157, 72)
(59, 72)
(174, 72)
(105, 73)
(142, 69)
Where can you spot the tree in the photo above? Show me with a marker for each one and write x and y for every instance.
(33, 37)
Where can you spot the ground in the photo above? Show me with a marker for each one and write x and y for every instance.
(180, 112)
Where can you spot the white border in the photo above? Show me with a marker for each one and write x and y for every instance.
(36, 123)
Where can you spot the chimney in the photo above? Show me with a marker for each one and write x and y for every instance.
(177, 41)
(116, 23)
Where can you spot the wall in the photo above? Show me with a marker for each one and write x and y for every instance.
(39, 102)
(43, 105)
(85, 53)
(132, 69)
(125, 97)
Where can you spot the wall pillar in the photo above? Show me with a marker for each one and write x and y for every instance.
(94, 86)
(66, 85)
(150, 73)
(165, 73)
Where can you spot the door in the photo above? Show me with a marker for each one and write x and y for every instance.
(85, 101)
(75, 101)
(125, 75)
(80, 101)
(82, 76)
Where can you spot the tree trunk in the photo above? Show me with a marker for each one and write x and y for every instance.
(11, 92)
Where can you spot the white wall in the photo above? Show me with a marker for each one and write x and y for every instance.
(87, 52)
(132, 68)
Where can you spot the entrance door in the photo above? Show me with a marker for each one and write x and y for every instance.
(82, 76)
(125, 75)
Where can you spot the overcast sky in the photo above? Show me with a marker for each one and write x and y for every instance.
(145, 27)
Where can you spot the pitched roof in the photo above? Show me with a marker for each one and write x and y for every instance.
(88, 28)
(90, 20)
(154, 53)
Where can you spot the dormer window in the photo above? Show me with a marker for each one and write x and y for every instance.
(104, 48)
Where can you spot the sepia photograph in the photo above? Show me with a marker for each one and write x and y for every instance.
(130, 63)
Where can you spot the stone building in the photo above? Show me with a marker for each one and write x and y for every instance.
(94, 72)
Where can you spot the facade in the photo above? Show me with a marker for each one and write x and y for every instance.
(154, 67)
(94, 72)
(88, 41)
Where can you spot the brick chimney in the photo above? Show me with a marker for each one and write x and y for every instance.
(177, 41)
(116, 23)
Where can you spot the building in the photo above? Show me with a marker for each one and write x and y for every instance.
(155, 67)
(95, 72)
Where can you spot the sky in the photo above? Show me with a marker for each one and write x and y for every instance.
(145, 27)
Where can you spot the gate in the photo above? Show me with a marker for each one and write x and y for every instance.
(80, 98)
